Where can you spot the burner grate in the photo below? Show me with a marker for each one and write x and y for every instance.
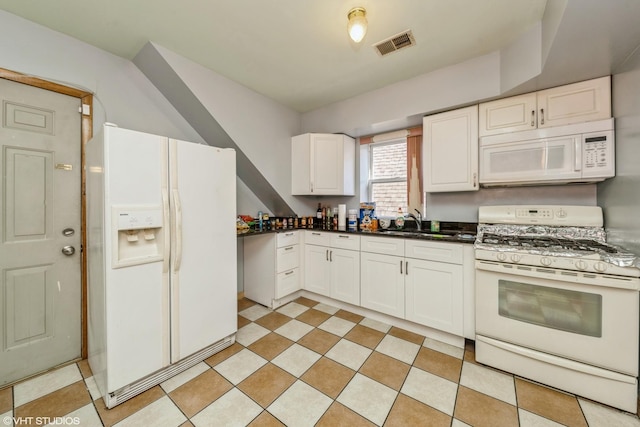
(547, 243)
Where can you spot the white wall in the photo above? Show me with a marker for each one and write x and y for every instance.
(404, 104)
(259, 126)
(122, 94)
(620, 196)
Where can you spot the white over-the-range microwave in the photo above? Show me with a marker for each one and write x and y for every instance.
(577, 153)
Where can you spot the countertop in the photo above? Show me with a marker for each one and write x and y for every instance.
(460, 233)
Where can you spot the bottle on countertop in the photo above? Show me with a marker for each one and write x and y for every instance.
(400, 219)
(334, 225)
(318, 221)
(323, 224)
(260, 223)
(296, 222)
(303, 222)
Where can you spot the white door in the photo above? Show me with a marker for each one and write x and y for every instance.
(435, 295)
(382, 283)
(508, 115)
(317, 274)
(345, 275)
(575, 103)
(40, 212)
(203, 258)
(450, 154)
(327, 157)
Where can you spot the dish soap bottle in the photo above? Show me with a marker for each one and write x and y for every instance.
(400, 219)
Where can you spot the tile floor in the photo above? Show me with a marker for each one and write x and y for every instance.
(312, 364)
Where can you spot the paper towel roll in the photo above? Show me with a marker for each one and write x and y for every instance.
(342, 217)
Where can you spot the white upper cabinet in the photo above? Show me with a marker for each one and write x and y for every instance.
(322, 164)
(508, 115)
(450, 152)
(574, 103)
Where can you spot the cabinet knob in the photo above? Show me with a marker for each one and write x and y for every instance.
(533, 118)
(542, 116)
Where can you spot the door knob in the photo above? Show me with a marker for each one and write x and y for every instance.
(68, 250)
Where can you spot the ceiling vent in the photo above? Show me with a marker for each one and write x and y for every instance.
(395, 43)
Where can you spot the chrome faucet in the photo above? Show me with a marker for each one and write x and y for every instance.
(417, 219)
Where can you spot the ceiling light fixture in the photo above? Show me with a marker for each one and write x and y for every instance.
(357, 26)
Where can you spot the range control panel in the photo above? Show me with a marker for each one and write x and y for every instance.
(528, 213)
(543, 215)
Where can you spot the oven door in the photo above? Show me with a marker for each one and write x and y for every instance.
(555, 312)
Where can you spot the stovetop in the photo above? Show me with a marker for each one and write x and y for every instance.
(548, 243)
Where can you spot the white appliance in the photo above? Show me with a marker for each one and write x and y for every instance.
(555, 303)
(580, 153)
(161, 258)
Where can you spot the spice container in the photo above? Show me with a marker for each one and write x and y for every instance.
(353, 220)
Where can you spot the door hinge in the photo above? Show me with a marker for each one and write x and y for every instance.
(85, 109)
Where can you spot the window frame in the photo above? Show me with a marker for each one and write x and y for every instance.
(371, 180)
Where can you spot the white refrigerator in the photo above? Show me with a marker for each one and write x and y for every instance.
(161, 248)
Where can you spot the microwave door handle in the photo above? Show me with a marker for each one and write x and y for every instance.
(577, 154)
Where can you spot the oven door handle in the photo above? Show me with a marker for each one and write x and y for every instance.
(555, 360)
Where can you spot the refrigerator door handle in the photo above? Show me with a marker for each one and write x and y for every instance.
(177, 215)
(167, 231)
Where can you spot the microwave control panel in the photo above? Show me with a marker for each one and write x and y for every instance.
(598, 155)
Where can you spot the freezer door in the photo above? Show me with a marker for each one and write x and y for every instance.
(137, 296)
(203, 253)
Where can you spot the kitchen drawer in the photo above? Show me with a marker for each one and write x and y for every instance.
(345, 241)
(382, 245)
(287, 282)
(317, 238)
(434, 251)
(287, 258)
(287, 238)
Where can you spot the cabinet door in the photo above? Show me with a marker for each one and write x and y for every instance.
(450, 155)
(287, 283)
(382, 283)
(317, 274)
(508, 115)
(434, 295)
(345, 275)
(301, 165)
(575, 103)
(326, 164)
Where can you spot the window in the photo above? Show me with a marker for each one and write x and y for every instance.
(388, 176)
(391, 173)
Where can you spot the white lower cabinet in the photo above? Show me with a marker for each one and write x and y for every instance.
(417, 280)
(271, 267)
(426, 282)
(332, 265)
(382, 275)
(434, 285)
(382, 283)
(317, 272)
(434, 295)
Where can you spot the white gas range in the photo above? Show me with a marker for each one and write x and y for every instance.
(555, 303)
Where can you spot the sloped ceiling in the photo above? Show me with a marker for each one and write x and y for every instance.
(295, 52)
